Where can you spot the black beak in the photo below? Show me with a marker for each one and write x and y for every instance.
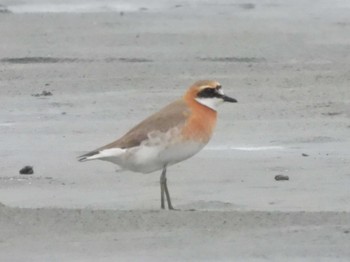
(229, 99)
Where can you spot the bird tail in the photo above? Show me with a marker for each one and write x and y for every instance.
(88, 156)
(101, 154)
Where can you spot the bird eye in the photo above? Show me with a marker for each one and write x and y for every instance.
(208, 93)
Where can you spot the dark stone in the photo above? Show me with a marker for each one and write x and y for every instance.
(27, 170)
(281, 177)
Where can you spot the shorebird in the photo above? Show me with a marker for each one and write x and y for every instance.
(171, 135)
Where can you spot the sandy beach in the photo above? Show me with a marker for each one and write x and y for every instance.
(109, 65)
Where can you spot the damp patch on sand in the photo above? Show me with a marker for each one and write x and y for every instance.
(54, 60)
(233, 59)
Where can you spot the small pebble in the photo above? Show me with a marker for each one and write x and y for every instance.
(43, 93)
(46, 93)
(303, 154)
(27, 170)
(281, 177)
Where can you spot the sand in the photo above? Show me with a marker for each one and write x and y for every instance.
(108, 66)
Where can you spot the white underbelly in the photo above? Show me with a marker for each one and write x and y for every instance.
(159, 150)
(146, 159)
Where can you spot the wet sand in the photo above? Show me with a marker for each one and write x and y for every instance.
(109, 235)
(287, 63)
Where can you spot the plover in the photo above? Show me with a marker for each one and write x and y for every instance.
(171, 135)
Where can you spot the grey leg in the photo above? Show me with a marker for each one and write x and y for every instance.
(162, 182)
(164, 189)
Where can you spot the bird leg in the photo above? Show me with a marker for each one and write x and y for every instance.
(164, 189)
(162, 182)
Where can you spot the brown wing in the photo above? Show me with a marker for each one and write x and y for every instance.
(170, 116)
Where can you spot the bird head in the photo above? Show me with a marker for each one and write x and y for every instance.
(208, 93)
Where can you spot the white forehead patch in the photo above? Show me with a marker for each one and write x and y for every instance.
(220, 91)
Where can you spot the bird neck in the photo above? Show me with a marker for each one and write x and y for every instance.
(201, 122)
